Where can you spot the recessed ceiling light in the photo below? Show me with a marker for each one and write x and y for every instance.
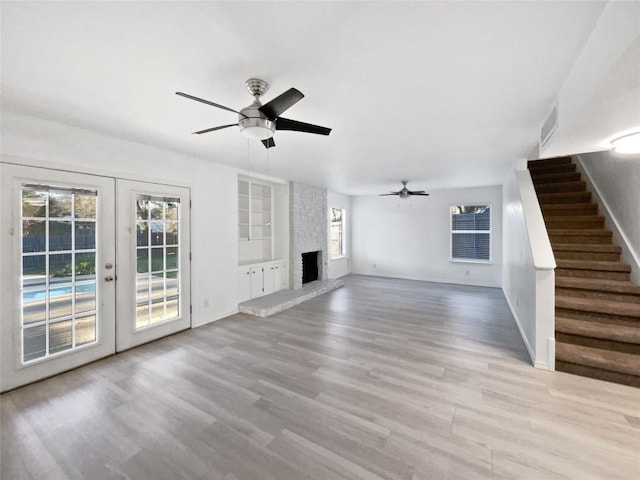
(629, 143)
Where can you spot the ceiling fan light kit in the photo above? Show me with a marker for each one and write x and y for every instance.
(259, 122)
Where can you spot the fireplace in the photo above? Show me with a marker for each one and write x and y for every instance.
(310, 266)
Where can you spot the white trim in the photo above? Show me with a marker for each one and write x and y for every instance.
(629, 254)
(343, 243)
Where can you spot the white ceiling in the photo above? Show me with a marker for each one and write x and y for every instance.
(444, 94)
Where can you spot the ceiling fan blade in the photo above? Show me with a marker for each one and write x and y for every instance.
(286, 124)
(191, 97)
(416, 192)
(268, 143)
(420, 194)
(213, 129)
(281, 103)
(385, 194)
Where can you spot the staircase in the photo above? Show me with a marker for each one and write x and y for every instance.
(597, 306)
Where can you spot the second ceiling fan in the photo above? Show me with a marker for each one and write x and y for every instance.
(404, 192)
(259, 121)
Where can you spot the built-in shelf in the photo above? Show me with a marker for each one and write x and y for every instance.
(255, 220)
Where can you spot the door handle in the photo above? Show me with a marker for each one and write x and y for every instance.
(108, 278)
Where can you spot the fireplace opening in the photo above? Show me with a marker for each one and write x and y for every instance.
(309, 267)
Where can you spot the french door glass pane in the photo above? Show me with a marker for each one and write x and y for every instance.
(157, 264)
(58, 278)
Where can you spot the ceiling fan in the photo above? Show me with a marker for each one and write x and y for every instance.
(404, 192)
(259, 121)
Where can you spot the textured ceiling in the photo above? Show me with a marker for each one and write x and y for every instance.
(445, 94)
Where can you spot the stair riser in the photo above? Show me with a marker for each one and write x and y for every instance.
(598, 373)
(604, 275)
(614, 333)
(610, 345)
(549, 161)
(597, 317)
(558, 210)
(556, 178)
(568, 255)
(582, 239)
(560, 187)
(596, 294)
(569, 197)
(588, 223)
(548, 169)
(599, 359)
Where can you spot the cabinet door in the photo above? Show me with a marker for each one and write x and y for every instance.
(257, 279)
(244, 284)
(278, 276)
(268, 279)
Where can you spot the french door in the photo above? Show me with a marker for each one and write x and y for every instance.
(153, 257)
(72, 290)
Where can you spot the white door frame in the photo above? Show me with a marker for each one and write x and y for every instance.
(14, 372)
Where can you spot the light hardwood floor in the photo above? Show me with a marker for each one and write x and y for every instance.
(383, 378)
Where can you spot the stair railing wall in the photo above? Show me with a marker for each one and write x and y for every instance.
(630, 254)
(528, 269)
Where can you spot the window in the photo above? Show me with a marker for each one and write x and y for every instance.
(471, 233)
(337, 233)
(58, 270)
(157, 260)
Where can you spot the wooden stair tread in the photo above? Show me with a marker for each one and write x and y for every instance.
(596, 232)
(598, 373)
(549, 161)
(573, 197)
(610, 307)
(595, 329)
(552, 209)
(568, 218)
(560, 187)
(613, 286)
(593, 265)
(540, 178)
(560, 168)
(599, 358)
(588, 247)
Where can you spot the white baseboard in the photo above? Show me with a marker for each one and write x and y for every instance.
(215, 319)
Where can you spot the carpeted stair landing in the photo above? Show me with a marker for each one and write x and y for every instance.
(597, 306)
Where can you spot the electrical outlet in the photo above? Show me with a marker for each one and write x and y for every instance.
(467, 272)
(205, 303)
(374, 266)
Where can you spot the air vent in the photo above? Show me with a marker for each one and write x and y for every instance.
(549, 128)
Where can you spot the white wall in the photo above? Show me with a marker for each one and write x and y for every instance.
(411, 238)
(31, 141)
(528, 276)
(340, 267)
(600, 95)
(615, 181)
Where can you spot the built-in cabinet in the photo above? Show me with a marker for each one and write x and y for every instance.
(256, 280)
(260, 272)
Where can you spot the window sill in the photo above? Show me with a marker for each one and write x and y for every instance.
(471, 260)
(338, 258)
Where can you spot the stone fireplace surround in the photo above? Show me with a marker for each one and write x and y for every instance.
(308, 210)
